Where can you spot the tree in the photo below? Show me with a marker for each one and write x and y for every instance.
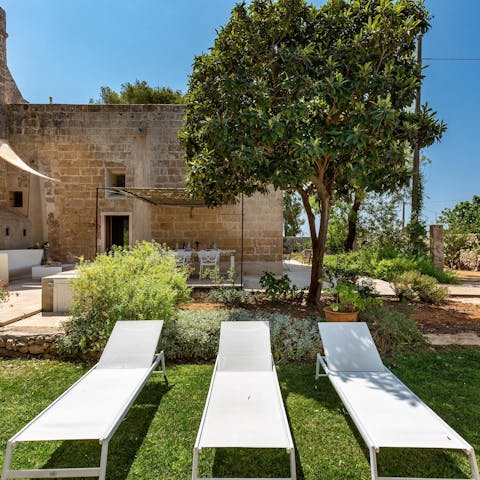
(139, 92)
(399, 188)
(463, 217)
(292, 211)
(309, 99)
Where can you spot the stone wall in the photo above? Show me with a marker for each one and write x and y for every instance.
(19, 230)
(80, 144)
(262, 229)
(15, 226)
(9, 92)
(15, 344)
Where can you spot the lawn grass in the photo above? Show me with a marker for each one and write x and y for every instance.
(157, 437)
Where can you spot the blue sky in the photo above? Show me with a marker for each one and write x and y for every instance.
(68, 49)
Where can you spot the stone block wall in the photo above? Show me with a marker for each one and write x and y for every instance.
(9, 92)
(222, 226)
(80, 144)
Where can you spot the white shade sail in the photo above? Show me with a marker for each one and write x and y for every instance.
(7, 154)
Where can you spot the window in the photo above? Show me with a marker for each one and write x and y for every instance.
(16, 199)
(119, 180)
(115, 178)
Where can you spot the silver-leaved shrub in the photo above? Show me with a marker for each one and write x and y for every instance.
(131, 283)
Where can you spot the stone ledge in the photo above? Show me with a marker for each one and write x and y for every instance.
(21, 344)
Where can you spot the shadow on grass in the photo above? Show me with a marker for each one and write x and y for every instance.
(251, 462)
(125, 442)
(392, 462)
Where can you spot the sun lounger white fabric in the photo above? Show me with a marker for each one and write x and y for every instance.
(386, 413)
(94, 406)
(244, 407)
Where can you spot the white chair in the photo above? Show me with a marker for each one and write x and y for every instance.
(386, 413)
(208, 259)
(183, 257)
(93, 408)
(244, 407)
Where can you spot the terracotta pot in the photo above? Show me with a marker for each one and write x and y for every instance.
(332, 316)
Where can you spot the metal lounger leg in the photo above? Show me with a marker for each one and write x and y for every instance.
(103, 460)
(195, 464)
(473, 465)
(163, 364)
(373, 463)
(293, 468)
(320, 362)
(7, 460)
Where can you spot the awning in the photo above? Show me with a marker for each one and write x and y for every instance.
(12, 158)
(159, 196)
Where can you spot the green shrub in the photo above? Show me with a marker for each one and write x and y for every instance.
(388, 268)
(425, 266)
(403, 286)
(136, 283)
(393, 332)
(415, 286)
(280, 288)
(342, 267)
(231, 297)
(194, 335)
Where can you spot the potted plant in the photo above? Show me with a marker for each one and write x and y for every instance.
(347, 305)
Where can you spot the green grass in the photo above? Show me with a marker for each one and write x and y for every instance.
(157, 437)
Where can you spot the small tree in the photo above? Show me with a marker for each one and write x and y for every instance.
(309, 99)
(292, 211)
(139, 92)
(463, 217)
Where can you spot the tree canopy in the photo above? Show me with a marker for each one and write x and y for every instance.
(463, 217)
(315, 100)
(139, 92)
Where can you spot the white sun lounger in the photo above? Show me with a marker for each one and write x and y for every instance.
(244, 407)
(95, 405)
(386, 413)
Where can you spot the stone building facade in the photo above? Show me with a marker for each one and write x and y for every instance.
(90, 146)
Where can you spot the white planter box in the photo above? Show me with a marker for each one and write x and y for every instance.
(62, 294)
(18, 262)
(41, 271)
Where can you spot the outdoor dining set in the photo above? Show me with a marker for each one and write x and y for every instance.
(206, 258)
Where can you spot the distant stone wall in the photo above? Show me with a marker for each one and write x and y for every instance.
(80, 144)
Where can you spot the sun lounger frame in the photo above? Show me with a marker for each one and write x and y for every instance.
(374, 448)
(197, 449)
(100, 471)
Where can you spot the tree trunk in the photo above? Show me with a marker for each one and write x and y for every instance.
(352, 223)
(318, 245)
